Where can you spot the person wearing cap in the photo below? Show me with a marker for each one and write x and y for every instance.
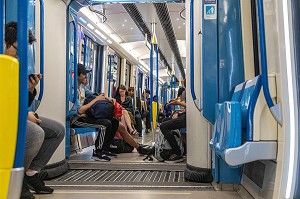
(105, 137)
(43, 135)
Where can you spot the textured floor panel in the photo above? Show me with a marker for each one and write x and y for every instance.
(125, 179)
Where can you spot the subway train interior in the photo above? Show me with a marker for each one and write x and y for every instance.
(219, 78)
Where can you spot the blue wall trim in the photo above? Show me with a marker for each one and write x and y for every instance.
(2, 14)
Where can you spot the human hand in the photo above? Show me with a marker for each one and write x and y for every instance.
(34, 79)
(175, 115)
(31, 117)
(85, 81)
(100, 97)
(173, 103)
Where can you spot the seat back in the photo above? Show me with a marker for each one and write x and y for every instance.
(219, 114)
(235, 117)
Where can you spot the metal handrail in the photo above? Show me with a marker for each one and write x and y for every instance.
(84, 50)
(275, 109)
(22, 36)
(41, 50)
(192, 64)
(151, 80)
(109, 77)
(74, 22)
(157, 73)
(2, 22)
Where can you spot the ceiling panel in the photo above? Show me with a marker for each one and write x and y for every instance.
(122, 25)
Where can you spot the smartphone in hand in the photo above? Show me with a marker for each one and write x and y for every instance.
(34, 75)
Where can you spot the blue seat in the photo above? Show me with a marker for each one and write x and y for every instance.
(84, 130)
(219, 115)
(234, 118)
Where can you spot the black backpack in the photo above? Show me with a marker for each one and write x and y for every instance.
(102, 109)
(121, 146)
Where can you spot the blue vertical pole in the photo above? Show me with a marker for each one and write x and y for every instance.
(41, 49)
(109, 75)
(263, 53)
(157, 72)
(192, 72)
(151, 80)
(22, 36)
(75, 61)
(2, 15)
(67, 140)
(171, 84)
(84, 51)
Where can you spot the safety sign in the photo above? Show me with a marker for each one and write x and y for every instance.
(210, 11)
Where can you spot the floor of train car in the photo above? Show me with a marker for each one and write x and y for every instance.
(128, 176)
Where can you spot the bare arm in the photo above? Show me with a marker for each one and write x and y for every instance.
(175, 102)
(85, 107)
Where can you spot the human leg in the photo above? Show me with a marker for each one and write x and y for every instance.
(34, 140)
(105, 128)
(110, 137)
(148, 122)
(54, 134)
(128, 121)
(138, 121)
(173, 124)
(128, 138)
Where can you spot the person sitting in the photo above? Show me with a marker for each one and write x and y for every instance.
(43, 135)
(112, 125)
(137, 111)
(122, 98)
(177, 121)
(107, 127)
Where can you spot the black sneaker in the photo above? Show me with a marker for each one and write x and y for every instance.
(99, 156)
(25, 193)
(36, 184)
(148, 131)
(174, 159)
(109, 154)
(144, 151)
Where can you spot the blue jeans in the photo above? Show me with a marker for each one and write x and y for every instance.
(41, 142)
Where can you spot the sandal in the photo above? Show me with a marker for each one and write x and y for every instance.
(134, 132)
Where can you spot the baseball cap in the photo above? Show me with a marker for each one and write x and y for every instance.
(82, 69)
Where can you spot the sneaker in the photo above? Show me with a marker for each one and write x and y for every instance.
(112, 146)
(25, 193)
(110, 154)
(148, 131)
(174, 159)
(144, 151)
(99, 156)
(36, 184)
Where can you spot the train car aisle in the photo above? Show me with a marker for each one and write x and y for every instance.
(162, 194)
(128, 176)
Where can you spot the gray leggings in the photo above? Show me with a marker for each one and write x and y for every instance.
(41, 142)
